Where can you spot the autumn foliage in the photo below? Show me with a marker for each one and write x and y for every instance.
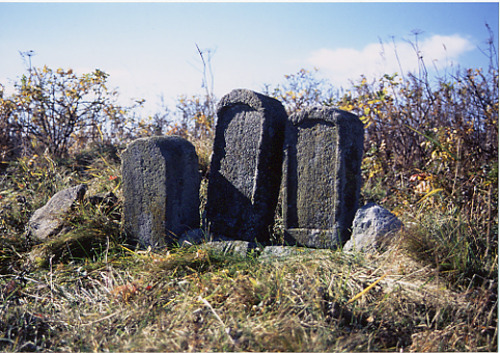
(430, 157)
(430, 154)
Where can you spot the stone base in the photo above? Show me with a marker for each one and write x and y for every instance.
(316, 238)
(233, 247)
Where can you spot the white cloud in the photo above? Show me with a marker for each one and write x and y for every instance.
(345, 64)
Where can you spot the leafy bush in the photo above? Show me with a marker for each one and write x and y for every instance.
(434, 149)
(431, 156)
(55, 109)
(431, 148)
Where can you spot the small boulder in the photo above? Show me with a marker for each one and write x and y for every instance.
(282, 251)
(293, 253)
(218, 244)
(239, 248)
(47, 221)
(372, 228)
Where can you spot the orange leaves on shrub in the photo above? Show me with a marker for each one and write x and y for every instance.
(423, 182)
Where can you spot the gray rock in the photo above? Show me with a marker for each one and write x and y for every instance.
(373, 227)
(232, 247)
(280, 251)
(286, 253)
(161, 184)
(219, 244)
(245, 170)
(321, 176)
(47, 221)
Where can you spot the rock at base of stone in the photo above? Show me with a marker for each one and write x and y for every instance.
(219, 244)
(245, 171)
(232, 247)
(287, 253)
(47, 221)
(280, 251)
(161, 184)
(317, 238)
(321, 176)
(373, 228)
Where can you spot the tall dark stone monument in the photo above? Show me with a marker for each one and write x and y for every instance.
(161, 184)
(245, 170)
(322, 176)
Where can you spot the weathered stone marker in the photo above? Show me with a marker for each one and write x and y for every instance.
(322, 177)
(245, 170)
(161, 184)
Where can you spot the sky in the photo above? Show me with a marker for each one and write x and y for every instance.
(150, 49)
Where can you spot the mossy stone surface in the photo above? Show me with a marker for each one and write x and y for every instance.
(245, 170)
(161, 184)
(321, 176)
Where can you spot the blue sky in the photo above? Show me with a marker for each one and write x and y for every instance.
(149, 49)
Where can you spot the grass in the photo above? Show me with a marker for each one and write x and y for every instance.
(191, 299)
(431, 157)
(445, 241)
(90, 291)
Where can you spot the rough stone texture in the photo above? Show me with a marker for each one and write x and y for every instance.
(161, 184)
(232, 247)
(321, 176)
(47, 222)
(245, 170)
(281, 251)
(373, 227)
(220, 244)
(286, 253)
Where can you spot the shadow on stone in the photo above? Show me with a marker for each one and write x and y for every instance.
(245, 171)
(161, 184)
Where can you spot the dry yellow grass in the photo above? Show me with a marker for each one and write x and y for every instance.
(196, 300)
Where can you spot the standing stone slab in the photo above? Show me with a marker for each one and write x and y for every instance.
(245, 170)
(322, 176)
(161, 184)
